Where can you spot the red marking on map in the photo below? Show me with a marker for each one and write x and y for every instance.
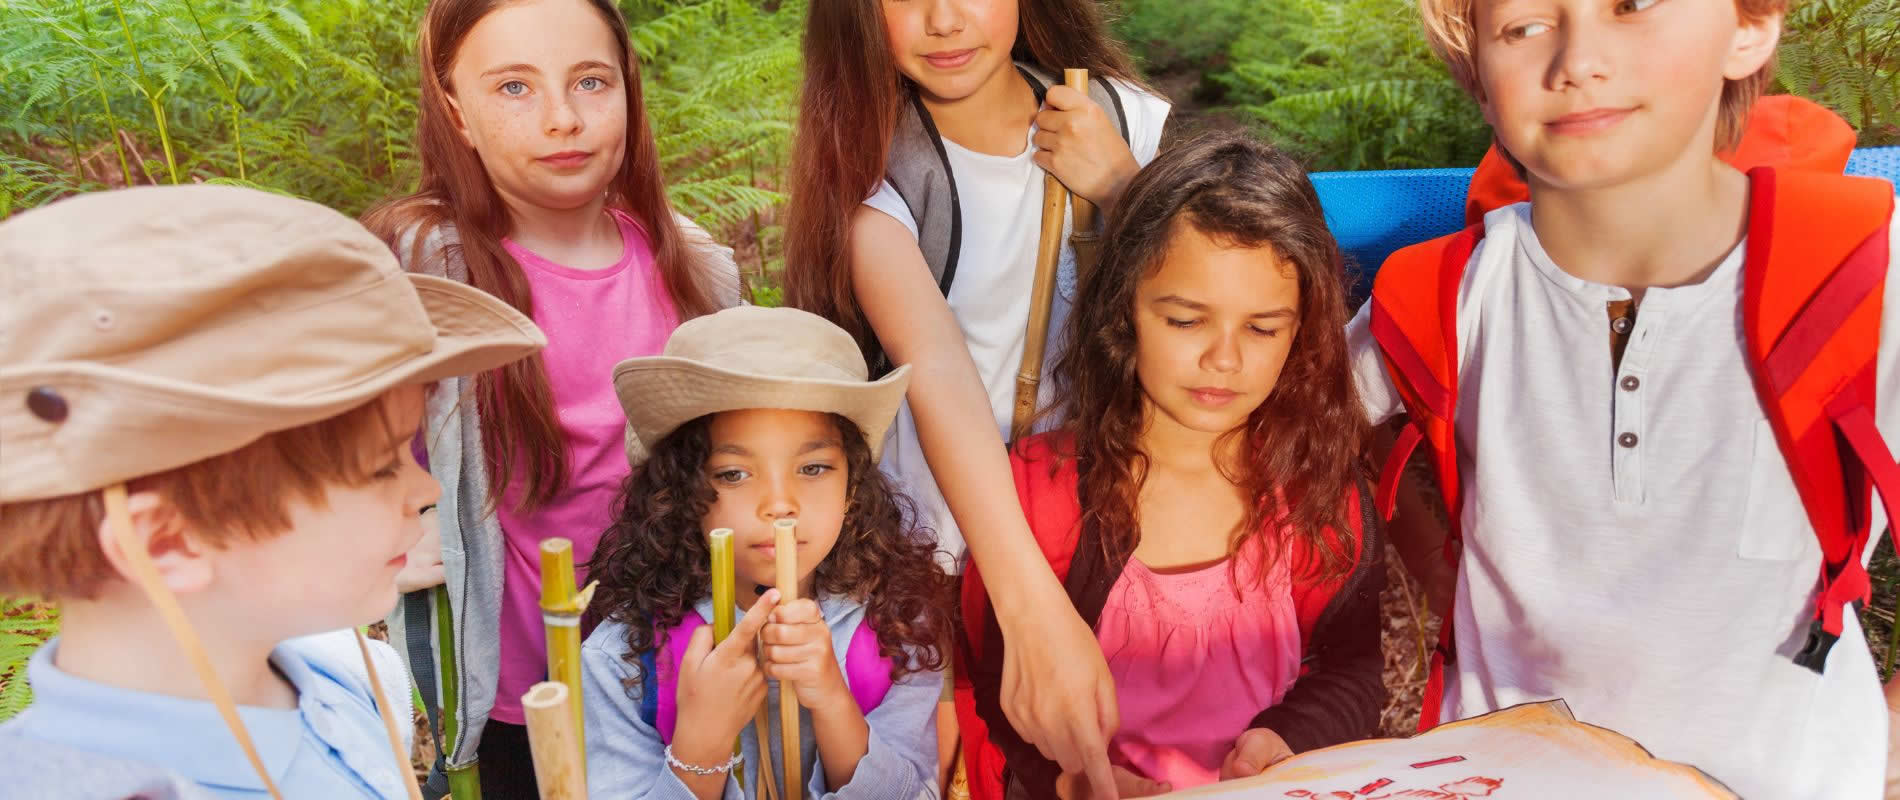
(1439, 762)
(1467, 789)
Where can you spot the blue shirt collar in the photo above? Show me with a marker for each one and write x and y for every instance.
(186, 736)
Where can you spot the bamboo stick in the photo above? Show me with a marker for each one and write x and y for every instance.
(561, 609)
(465, 782)
(785, 549)
(725, 600)
(1083, 238)
(554, 741)
(1055, 198)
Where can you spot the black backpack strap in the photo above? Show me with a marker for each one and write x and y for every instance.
(918, 167)
(1101, 88)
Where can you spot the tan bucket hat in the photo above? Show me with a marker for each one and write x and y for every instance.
(755, 357)
(145, 329)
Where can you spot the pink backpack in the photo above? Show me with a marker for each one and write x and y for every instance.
(866, 671)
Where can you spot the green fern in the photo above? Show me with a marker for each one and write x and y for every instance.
(24, 626)
(1846, 54)
(1350, 85)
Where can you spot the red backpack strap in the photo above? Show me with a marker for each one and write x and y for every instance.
(1811, 310)
(1414, 322)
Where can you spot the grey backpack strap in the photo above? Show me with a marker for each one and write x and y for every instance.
(919, 169)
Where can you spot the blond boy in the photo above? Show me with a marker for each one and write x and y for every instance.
(1633, 540)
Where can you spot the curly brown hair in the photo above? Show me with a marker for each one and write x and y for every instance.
(653, 563)
(1303, 444)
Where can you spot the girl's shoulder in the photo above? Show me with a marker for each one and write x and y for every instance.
(1147, 114)
(716, 267)
(431, 246)
(607, 647)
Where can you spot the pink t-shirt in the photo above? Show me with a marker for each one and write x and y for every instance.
(1194, 661)
(593, 319)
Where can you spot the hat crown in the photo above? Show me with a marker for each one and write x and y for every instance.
(209, 285)
(770, 342)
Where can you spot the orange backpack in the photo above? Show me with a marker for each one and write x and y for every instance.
(1815, 266)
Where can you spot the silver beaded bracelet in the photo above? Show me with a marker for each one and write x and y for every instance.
(698, 770)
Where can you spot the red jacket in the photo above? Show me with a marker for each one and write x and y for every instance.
(1336, 699)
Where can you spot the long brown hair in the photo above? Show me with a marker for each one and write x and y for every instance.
(847, 112)
(653, 563)
(519, 430)
(1302, 445)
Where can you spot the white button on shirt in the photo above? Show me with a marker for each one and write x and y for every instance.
(1633, 541)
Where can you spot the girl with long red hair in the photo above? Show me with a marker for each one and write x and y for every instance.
(1204, 503)
(925, 130)
(540, 184)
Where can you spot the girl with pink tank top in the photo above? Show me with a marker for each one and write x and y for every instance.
(1205, 506)
(541, 185)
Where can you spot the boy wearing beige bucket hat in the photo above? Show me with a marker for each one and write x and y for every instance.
(207, 400)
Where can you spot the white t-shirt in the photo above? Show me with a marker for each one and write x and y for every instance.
(1659, 588)
(1001, 199)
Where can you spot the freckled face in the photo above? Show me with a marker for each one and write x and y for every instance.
(539, 93)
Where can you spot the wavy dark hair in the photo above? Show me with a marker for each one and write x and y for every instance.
(1303, 444)
(653, 563)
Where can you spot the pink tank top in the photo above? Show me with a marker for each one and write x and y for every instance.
(593, 319)
(1194, 661)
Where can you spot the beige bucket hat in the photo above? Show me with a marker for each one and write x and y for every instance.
(754, 357)
(145, 329)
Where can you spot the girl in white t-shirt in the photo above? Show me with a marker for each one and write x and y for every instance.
(854, 255)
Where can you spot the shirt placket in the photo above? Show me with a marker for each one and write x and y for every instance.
(1632, 348)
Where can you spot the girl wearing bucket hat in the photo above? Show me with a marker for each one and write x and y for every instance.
(750, 417)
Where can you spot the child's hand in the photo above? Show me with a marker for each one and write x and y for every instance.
(798, 649)
(1127, 784)
(1078, 143)
(1254, 751)
(720, 688)
(423, 570)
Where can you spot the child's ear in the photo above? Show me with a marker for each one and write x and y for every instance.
(182, 560)
(1754, 46)
(459, 119)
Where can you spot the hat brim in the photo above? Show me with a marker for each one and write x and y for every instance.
(661, 393)
(474, 332)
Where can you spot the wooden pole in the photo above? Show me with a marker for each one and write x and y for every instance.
(555, 741)
(1083, 238)
(785, 549)
(389, 720)
(1055, 199)
(561, 609)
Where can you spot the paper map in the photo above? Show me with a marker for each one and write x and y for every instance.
(1528, 752)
